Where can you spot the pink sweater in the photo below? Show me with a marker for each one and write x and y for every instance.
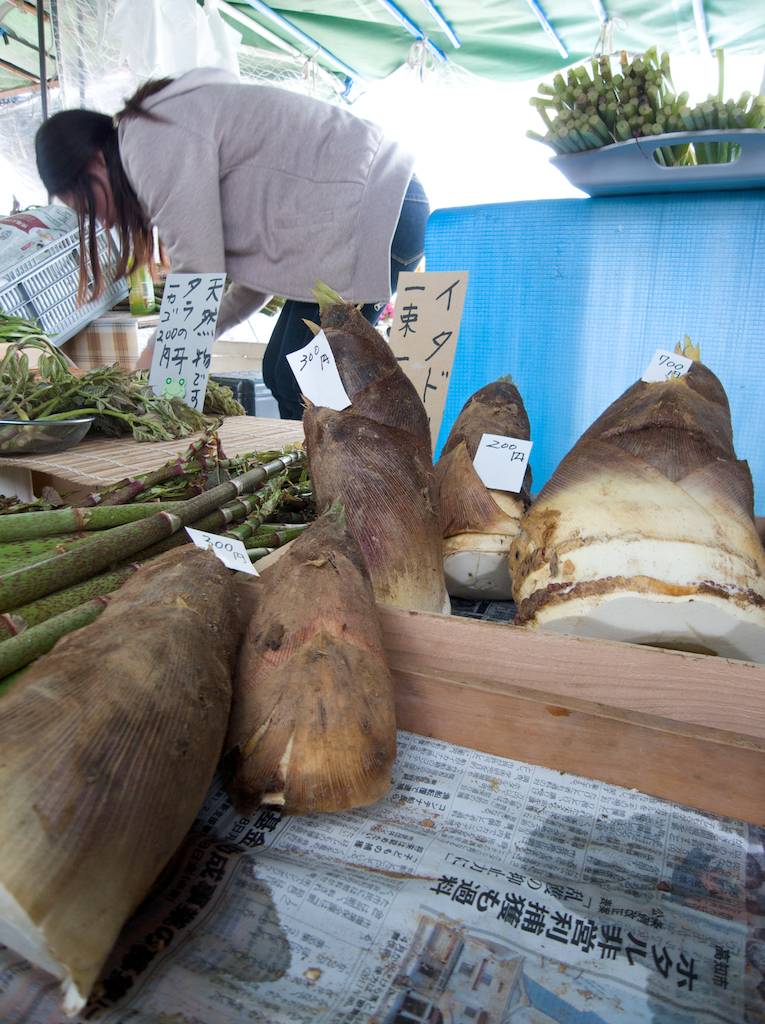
(275, 188)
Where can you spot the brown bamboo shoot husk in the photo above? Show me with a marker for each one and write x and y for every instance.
(109, 745)
(478, 524)
(312, 723)
(645, 531)
(364, 358)
(385, 482)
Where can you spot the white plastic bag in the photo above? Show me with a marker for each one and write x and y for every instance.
(224, 40)
(158, 38)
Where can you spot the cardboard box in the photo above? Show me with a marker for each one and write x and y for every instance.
(112, 338)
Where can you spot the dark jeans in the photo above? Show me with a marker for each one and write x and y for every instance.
(290, 333)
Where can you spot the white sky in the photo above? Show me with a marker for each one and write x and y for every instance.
(469, 139)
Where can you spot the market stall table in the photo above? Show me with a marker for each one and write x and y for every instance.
(686, 709)
(99, 461)
(331, 915)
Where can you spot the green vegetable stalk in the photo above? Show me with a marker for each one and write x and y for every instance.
(121, 402)
(110, 547)
(20, 650)
(20, 619)
(30, 525)
(639, 101)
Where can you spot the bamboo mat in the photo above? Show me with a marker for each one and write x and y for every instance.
(99, 461)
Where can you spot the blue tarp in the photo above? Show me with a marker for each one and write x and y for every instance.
(572, 297)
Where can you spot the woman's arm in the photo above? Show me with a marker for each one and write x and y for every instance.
(238, 303)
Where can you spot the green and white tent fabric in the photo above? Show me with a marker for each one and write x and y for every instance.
(504, 40)
(510, 40)
(20, 48)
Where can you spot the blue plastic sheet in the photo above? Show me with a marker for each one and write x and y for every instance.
(572, 297)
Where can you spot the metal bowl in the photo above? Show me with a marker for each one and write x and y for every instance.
(37, 437)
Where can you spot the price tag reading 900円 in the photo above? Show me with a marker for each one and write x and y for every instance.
(501, 462)
(317, 375)
(229, 550)
(666, 365)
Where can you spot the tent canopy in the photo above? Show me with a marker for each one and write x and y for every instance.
(19, 54)
(504, 39)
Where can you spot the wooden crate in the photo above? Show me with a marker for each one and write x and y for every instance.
(684, 727)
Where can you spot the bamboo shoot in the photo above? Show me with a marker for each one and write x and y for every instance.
(109, 745)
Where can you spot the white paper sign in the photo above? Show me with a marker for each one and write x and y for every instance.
(188, 316)
(229, 550)
(317, 375)
(501, 462)
(666, 365)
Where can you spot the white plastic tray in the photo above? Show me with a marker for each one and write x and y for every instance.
(624, 168)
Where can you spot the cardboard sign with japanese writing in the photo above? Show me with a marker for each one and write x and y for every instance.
(188, 315)
(424, 334)
(317, 375)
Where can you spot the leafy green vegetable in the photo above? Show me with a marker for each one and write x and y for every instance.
(122, 402)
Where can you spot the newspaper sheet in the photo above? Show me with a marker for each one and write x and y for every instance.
(480, 891)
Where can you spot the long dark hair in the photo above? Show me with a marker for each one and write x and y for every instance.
(64, 146)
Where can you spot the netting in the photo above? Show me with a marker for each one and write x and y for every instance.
(289, 71)
(20, 117)
(99, 67)
(94, 73)
(106, 48)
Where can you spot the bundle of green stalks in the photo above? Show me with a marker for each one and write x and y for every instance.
(58, 567)
(618, 100)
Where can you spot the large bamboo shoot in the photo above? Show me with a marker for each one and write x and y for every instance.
(109, 744)
(645, 532)
(478, 523)
(385, 482)
(312, 722)
(375, 459)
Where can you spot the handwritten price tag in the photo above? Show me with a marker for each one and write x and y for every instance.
(230, 551)
(501, 462)
(188, 317)
(316, 372)
(666, 365)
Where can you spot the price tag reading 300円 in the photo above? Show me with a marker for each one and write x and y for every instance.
(317, 375)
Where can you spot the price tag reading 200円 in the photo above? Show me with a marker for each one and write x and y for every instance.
(501, 462)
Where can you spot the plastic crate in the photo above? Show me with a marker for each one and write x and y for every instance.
(625, 168)
(572, 297)
(250, 391)
(43, 287)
